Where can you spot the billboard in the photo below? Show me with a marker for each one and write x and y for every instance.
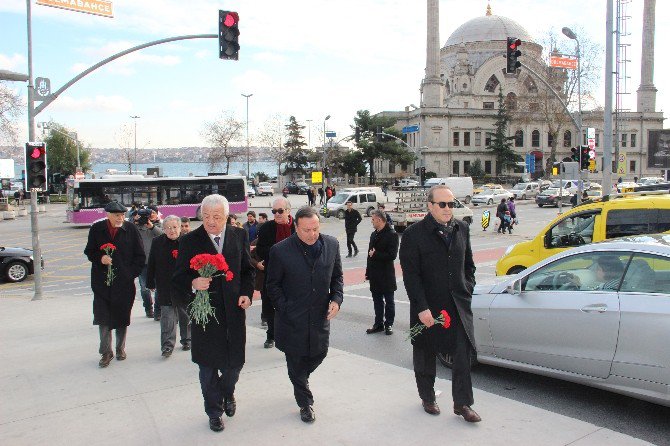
(658, 153)
(567, 62)
(95, 7)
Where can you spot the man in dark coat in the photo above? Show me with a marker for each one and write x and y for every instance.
(439, 274)
(219, 346)
(351, 220)
(380, 271)
(269, 234)
(160, 268)
(500, 213)
(113, 303)
(305, 284)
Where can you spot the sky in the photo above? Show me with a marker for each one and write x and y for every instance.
(306, 58)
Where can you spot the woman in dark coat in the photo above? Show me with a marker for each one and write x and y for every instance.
(112, 304)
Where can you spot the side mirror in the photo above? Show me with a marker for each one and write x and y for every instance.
(514, 288)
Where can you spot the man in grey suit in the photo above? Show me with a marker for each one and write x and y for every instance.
(305, 284)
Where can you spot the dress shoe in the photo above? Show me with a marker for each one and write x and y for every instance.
(348, 255)
(150, 313)
(167, 352)
(431, 407)
(264, 323)
(389, 330)
(106, 359)
(467, 413)
(269, 343)
(229, 406)
(157, 317)
(186, 347)
(216, 424)
(355, 253)
(120, 355)
(307, 414)
(375, 329)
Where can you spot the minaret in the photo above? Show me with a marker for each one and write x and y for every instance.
(646, 93)
(432, 88)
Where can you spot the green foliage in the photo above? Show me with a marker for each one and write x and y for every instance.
(476, 170)
(350, 163)
(262, 176)
(430, 174)
(370, 149)
(296, 158)
(501, 144)
(62, 152)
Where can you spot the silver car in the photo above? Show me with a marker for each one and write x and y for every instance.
(597, 315)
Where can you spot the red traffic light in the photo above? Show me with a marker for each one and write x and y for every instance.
(515, 44)
(37, 153)
(231, 19)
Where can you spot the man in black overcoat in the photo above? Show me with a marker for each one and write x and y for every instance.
(352, 218)
(112, 304)
(305, 284)
(439, 274)
(218, 348)
(380, 271)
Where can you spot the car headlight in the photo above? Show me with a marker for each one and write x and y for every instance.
(31, 258)
(509, 249)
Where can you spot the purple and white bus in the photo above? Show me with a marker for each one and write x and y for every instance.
(179, 196)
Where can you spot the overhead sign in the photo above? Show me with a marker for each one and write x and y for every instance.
(331, 134)
(410, 129)
(567, 62)
(317, 177)
(95, 7)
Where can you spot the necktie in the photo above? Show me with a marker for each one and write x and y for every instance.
(217, 240)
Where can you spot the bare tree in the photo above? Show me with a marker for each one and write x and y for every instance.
(271, 137)
(124, 137)
(11, 107)
(220, 134)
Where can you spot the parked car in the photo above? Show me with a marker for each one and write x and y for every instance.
(407, 183)
(264, 188)
(651, 180)
(626, 186)
(595, 315)
(523, 191)
(545, 184)
(363, 199)
(490, 196)
(16, 264)
(251, 192)
(461, 187)
(551, 196)
(299, 188)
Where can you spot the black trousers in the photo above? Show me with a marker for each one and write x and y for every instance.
(350, 241)
(215, 388)
(268, 312)
(425, 369)
(299, 369)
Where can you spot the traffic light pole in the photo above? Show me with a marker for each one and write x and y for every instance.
(37, 251)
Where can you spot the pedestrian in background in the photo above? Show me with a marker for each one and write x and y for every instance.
(382, 208)
(160, 268)
(351, 220)
(185, 225)
(439, 274)
(251, 226)
(511, 207)
(305, 283)
(329, 193)
(310, 196)
(321, 195)
(271, 233)
(149, 230)
(500, 213)
(380, 271)
(113, 300)
(262, 219)
(260, 277)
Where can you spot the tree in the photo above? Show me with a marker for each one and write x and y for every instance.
(501, 144)
(296, 155)
(221, 134)
(271, 137)
(11, 107)
(350, 163)
(387, 148)
(62, 151)
(124, 137)
(262, 176)
(476, 170)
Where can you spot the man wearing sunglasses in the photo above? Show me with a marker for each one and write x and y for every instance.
(270, 233)
(439, 274)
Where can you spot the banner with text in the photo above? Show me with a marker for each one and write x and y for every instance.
(95, 7)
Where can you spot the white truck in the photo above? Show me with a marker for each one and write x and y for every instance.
(411, 206)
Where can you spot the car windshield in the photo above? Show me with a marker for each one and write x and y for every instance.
(264, 184)
(486, 192)
(520, 186)
(339, 199)
(551, 191)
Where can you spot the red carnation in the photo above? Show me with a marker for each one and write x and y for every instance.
(446, 319)
(109, 249)
(229, 276)
(175, 252)
(207, 265)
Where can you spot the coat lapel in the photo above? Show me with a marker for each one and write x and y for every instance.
(206, 241)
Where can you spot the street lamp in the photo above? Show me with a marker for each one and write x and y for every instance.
(135, 118)
(571, 35)
(248, 96)
(323, 170)
(309, 134)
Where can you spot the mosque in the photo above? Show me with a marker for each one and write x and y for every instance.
(459, 102)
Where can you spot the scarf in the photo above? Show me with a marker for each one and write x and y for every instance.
(111, 229)
(283, 231)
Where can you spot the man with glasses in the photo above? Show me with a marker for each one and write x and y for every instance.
(270, 233)
(439, 274)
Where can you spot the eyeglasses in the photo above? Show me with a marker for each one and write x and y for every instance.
(278, 211)
(444, 204)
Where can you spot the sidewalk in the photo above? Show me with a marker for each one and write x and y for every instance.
(54, 393)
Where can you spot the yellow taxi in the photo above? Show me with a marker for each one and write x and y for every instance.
(478, 189)
(617, 215)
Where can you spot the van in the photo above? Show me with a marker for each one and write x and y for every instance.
(619, 215)
(522, 191)
(461, 187)
(363, 199)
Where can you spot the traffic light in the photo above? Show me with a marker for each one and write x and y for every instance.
(422, 175)
(575, 154)
(36, 166)
(513, 54)
(585, 157)
(229, 33)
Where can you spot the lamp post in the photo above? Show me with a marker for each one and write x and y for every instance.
(135, 118)
(309, 134)
(323, 170)
(571, 35)
(248, 96)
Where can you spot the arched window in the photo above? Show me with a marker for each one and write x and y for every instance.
(535, 138)
(518, 138)
(567, 138)
(511, 101)
(530, 85)
(492, 84)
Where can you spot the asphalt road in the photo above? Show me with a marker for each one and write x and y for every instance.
(67, 272)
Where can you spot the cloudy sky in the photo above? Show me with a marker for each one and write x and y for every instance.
(307, 58)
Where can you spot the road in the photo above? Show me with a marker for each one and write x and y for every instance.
(67, 273)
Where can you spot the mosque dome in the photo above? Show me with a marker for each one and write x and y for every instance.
(486, 29)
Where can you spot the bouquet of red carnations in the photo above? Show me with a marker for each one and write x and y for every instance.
(444, 319)
(207, 265)
(109, 250)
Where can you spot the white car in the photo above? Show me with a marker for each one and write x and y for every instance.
(251, 192)
(491, 196)
(406, 183)
(264, 188)
(523, 191)
(651, 180)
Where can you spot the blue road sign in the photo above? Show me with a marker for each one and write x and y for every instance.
(530, 163)
(410, 129)
(331, 134)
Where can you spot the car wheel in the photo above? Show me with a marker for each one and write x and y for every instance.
(447, 360)
(515, 270)
(523, 197)
(540, 205)
(340, 214)
(490, 202)
(369, 211)
(16, 271)
(468, 220)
